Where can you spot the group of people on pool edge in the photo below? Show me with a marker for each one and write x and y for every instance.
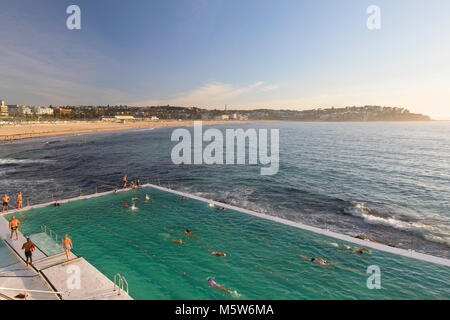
(29, 247)
(133, 184)
(6, 199)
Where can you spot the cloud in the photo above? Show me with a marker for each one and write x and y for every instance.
(212, 94)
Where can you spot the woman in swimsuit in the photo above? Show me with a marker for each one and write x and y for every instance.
(67, 246)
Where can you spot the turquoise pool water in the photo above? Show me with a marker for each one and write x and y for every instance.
(262, 260)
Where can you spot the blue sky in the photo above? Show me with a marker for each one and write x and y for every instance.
(246, 54)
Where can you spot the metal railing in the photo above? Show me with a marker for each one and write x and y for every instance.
(50, 232)
(119, 282)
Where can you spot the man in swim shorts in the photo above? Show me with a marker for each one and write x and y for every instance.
(29, 248)
(14, 226)
(125, 181)
(67, 246)
(19, 201)
(5, 200)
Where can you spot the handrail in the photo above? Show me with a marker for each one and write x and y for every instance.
(44, 229)
(120, 283)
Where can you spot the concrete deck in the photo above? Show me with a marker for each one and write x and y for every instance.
(54, 274)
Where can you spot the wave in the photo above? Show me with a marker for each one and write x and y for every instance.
(22, 161)
(359, 209)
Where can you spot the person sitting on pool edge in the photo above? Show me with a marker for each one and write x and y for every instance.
(67, 246)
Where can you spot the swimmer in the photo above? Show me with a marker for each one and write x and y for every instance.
(213, 284)
(67, 246)
(19, 200)
(320, 261)
(182, 198)
(361, 251)
(189, 233)
(135, 199)
(138, 184)
(177, 241)
(14, 226)
(217, 253)
(221, 209)
(56, 204)
(5, 200)
(147, 197)
(115, 191)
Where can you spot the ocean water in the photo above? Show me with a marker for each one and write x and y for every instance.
(263, 258)
(390, 181)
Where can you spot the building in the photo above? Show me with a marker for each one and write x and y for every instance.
(3, 109)
(63, 113)
(43, 111)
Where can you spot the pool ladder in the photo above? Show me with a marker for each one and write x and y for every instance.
(119, 281)
(44, 229)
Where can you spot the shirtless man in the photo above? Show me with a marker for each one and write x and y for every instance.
(125, 181)
(19, 201)
(5, 200)
(29, 248)
(67, 246)
(13, 226)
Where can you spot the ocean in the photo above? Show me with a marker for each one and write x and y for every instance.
(387, 180)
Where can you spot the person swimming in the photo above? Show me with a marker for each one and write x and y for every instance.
(147, 197)
(320, 261)
(189, 233)
(361, 251)
(135, 199)
(217, 253)
(214, 284)
(182, 198)
(115, 191)
(177, 241)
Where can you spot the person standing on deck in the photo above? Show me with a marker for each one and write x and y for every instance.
(19, 201)
(29, 248)
(14, 226)
(5, 201)
(125, 181)
(67, 246)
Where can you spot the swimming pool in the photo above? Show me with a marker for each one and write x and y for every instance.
(262, 260)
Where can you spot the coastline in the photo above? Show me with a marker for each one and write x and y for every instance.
(30, 131)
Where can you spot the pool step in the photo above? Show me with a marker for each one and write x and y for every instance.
(49, 258)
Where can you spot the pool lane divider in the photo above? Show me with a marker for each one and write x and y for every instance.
(362, 242)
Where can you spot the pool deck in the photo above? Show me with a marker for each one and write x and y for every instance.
(55, 274)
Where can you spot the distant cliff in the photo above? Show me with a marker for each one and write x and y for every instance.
(365, 113)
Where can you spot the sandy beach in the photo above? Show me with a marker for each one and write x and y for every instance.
(29, 131)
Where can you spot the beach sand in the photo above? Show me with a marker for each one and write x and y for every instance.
(28, 131)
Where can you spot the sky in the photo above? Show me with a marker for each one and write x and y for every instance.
(287, 54)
